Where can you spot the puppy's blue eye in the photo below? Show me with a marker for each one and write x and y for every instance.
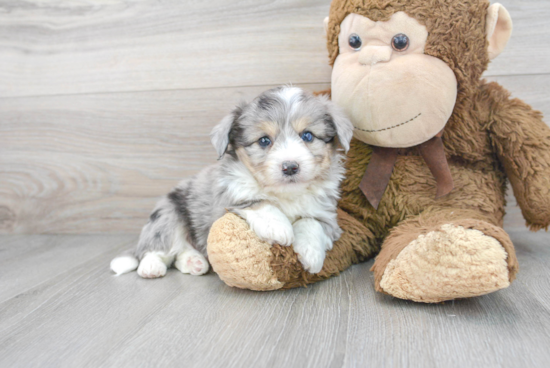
(307, 136)
(264, 141)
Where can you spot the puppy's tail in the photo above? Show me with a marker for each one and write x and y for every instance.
(124, 263)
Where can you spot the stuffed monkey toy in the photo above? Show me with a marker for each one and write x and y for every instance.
(427, 171)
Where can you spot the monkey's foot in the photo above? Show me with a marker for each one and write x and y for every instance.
(453, 261)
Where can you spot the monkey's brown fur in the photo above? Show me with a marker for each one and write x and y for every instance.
(489, 138)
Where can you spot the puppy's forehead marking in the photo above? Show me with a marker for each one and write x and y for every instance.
(269, 127)
(301, 124)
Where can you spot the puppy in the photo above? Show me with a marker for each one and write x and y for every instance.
(280, 169)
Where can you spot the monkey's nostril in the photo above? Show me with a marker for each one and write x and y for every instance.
(290, 168)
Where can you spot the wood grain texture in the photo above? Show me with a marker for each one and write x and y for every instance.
(68, 47)
(84, 157)
(85, 316)
(98, 163)
(72, 47)
(36, 267)
(48, 256)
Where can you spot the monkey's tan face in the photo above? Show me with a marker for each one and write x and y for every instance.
(395, 95)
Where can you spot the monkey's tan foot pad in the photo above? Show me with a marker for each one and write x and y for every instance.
(239, 257)
(453, 262)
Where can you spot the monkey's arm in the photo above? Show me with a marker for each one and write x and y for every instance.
(522, 142)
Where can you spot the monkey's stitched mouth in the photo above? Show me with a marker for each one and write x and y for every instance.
(388, 128)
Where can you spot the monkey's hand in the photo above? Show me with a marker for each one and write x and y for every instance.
(522, 142)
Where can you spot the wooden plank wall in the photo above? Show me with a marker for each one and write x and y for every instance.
(104, 106)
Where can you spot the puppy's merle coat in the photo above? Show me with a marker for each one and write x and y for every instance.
(280, 168)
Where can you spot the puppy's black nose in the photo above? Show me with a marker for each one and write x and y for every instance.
(290, 168)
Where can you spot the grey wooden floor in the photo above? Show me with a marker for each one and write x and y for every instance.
(61, 307)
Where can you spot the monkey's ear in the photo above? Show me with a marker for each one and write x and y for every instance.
(325, 24)
(220, 134)
(499, 29)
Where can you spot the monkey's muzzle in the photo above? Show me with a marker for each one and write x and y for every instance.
(399, 103)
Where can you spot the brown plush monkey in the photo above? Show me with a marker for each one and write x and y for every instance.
(408, 73)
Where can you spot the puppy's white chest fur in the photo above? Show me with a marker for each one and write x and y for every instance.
(315, 200)
(299, 201)
(308, 203)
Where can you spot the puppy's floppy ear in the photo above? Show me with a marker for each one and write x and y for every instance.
(344, 127)
(220, 134)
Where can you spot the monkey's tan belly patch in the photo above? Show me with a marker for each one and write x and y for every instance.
(451, 263)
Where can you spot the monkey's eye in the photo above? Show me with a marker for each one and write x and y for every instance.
(264, 141)
(400, 42)
(307, 136)
(355, 42)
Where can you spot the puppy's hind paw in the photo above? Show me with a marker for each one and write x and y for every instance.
(192, 262)
(151, 267)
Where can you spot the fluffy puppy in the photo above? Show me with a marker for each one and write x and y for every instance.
(280, 169)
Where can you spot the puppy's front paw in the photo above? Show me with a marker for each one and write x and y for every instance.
(269, 223)
(151, 266)
(311, 244)
(275, 232)
(311, 258)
